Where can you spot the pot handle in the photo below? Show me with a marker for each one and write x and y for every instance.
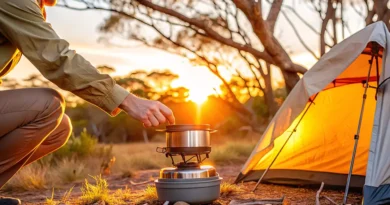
(213, 131)
(161, 149)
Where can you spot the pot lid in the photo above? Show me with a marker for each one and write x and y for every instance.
(187, 127)
(204, 171)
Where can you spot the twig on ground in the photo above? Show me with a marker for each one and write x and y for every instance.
(257, 201)
(140, 183)
(330, 200)
(318, 194)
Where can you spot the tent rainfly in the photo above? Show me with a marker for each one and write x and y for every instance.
(335, 119)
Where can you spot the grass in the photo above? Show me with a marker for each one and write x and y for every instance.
(65, 200)
(231, 153)
(70, 170)
(148, 196)
(124, 194)
(96, 193)
(228, 189)
(75, 166)
(52, 170)
(32, 177)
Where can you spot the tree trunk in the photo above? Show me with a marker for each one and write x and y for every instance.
(269, 97)
(290, 79)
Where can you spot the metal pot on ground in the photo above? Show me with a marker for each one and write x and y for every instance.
(199, 185)
(188, 181)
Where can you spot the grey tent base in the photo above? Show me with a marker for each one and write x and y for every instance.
(300, 177)
(377, 195)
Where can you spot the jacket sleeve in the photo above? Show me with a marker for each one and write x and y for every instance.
(23, 24)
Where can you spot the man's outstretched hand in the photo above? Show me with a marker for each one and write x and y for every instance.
(149, 112)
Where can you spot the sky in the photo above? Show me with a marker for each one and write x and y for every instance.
(80, 29)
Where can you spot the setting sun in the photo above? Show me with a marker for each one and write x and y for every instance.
(197, 96)
(200, 82)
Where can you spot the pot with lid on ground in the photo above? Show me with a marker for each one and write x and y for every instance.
(200, 185)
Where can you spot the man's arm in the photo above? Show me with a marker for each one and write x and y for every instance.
(22, 23)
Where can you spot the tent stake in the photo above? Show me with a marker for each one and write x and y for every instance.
(294, 130)
(374, 53)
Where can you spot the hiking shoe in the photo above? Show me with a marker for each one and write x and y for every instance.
(9, 201)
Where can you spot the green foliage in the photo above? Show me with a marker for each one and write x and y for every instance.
(259, 107)
(77, 146)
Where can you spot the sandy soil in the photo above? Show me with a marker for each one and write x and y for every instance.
(292, 195)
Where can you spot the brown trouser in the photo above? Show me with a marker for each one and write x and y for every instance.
(32, 125)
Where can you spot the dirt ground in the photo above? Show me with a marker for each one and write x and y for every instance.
(292, 195)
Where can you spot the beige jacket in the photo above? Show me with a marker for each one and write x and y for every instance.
(23, 30)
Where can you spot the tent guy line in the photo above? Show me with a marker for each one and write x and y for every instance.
(293, 131)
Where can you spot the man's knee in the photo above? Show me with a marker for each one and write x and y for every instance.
(54, 104)
(64, 130)
(53, 98)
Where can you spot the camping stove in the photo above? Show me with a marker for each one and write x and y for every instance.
(188, 180)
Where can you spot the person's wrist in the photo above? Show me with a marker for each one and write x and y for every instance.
(125, 105)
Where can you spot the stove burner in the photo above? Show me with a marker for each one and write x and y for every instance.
(187, 161)
(191, 165)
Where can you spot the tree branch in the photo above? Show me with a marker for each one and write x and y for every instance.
(299, 37)
(274, 13)
(272, 58)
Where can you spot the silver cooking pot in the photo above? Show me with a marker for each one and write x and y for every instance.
(187, 139)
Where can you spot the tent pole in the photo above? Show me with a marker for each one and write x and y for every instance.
(374, 53)
(294, 130)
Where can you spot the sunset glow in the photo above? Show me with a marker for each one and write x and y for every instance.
(197, 96)
(200, 82)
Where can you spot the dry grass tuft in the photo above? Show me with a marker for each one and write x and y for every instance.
(124, 194)
(148, 196)
(70, 170)
(97, 193)
(51, 201)
(65, 200)
(228, 189)
(32, 177)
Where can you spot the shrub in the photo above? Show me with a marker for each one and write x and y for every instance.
(81, 146)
